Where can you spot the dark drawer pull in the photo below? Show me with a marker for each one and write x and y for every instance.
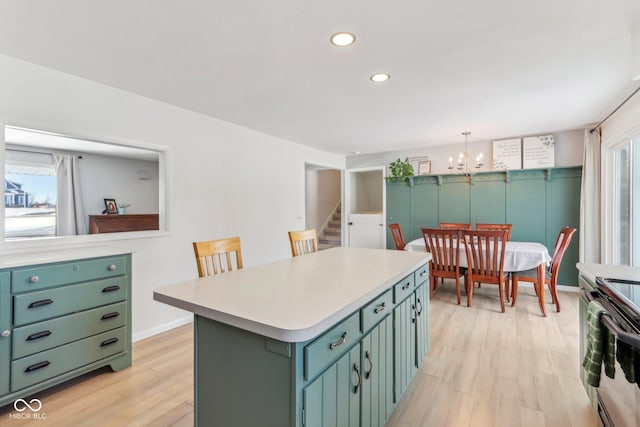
(406, 286)
(110, 315)
(38, 335)
(40, 303)
(110, 289)
(37, 366)
(108, 342)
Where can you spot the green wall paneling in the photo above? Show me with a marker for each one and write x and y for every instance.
(538, 202)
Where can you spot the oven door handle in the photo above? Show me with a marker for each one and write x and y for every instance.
(608, 322)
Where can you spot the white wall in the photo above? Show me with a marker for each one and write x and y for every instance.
(323, 194)
(223, 180)
(568, 152)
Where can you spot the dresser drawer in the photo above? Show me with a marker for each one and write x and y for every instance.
(42, 336)
(46, 276)
(331, 345)
(376, 310)
(403, 288)
(37, 306)
(48, 364)
(421, 274)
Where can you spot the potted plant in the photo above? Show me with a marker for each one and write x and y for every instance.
(122, 208)
(400, 170)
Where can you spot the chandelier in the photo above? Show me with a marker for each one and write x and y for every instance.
(462, 164)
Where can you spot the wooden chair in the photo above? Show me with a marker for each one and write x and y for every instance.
(485, 260)
(458, 225)
(444, 246)
(214, 256)
(398, 236)
(303, 242)
(507, 227)
(551, 273)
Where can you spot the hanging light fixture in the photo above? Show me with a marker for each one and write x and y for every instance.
(462, 164)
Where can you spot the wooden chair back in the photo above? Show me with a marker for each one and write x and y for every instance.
(562, 243)
(215, 256)
(398, 236)
(507, 227)
(485, 251)
(444, 246)
(303, 242)
(458, 225)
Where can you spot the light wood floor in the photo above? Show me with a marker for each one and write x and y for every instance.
(484, 368)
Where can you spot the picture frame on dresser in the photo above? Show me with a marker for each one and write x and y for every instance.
(111, 206)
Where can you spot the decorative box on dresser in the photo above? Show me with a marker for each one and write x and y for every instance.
(62, 314)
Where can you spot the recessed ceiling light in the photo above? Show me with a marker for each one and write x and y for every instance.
(343, 39)
(380, 77)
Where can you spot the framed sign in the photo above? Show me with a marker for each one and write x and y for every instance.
(538, 152)
(421, 165)
(507, 154)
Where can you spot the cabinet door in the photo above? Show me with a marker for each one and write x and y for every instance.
(5, 328)
(422, 322)
(377, 376)
(404, 319)
(333, 399)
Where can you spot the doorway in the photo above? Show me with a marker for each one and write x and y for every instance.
(365, 208)
(323, 204)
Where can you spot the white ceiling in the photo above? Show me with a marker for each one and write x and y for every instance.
(498, 68)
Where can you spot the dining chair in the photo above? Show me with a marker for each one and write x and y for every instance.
(214, 256)
(485, 260)
(398, 236)
(303, 242)
(551, 272)
(507, 227)
(444, 245)
(458, 225)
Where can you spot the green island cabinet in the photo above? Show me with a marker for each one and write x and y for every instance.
(349, 369)
(61, 316)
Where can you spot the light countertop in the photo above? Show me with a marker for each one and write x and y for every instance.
(295, 299)
(625, 272)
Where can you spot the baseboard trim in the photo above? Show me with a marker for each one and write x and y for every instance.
(162, 328)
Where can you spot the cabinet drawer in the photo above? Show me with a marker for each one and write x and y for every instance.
(36, 306)
(42, 336)
(331, 345)
(421, 274)
(42, 366)
(46, 276)
(403, 288)
(376, 310)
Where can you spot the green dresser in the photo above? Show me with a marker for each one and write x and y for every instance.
(60, 320)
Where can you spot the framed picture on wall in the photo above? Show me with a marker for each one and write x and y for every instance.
(111, 206)
(421, 165)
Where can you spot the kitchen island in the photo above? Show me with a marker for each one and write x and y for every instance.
(329, 338)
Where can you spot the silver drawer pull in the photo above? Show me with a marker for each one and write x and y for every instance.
(423, 272)
(37, 366)
(5, 333)
(110, 289)
(380, 308)
(406, 286)
(110, 315)
(341, 341)
(108, 342)
(38, 335)
(112, 267)
(34, 279)
(40, 303)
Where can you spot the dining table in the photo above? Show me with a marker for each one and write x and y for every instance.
(518, 256)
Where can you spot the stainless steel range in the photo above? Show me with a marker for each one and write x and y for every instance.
(619, 397)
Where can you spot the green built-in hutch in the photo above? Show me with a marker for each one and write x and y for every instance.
(538, 202)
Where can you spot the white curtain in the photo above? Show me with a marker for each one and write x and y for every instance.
(70, 217)
(590, 199)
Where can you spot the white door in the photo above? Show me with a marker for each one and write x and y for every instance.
(365, 192)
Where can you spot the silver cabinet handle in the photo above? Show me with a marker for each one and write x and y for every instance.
(112, 267)
(341, 341)
(423, 272)
(367, 356)
(34, 279)
(406, 286)
(420, 310)
(356, 369)
(5, 333)
(380, 308)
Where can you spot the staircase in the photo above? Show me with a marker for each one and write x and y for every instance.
(331, 236)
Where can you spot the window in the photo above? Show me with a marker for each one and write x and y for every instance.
(29, 195)
(626, 203)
